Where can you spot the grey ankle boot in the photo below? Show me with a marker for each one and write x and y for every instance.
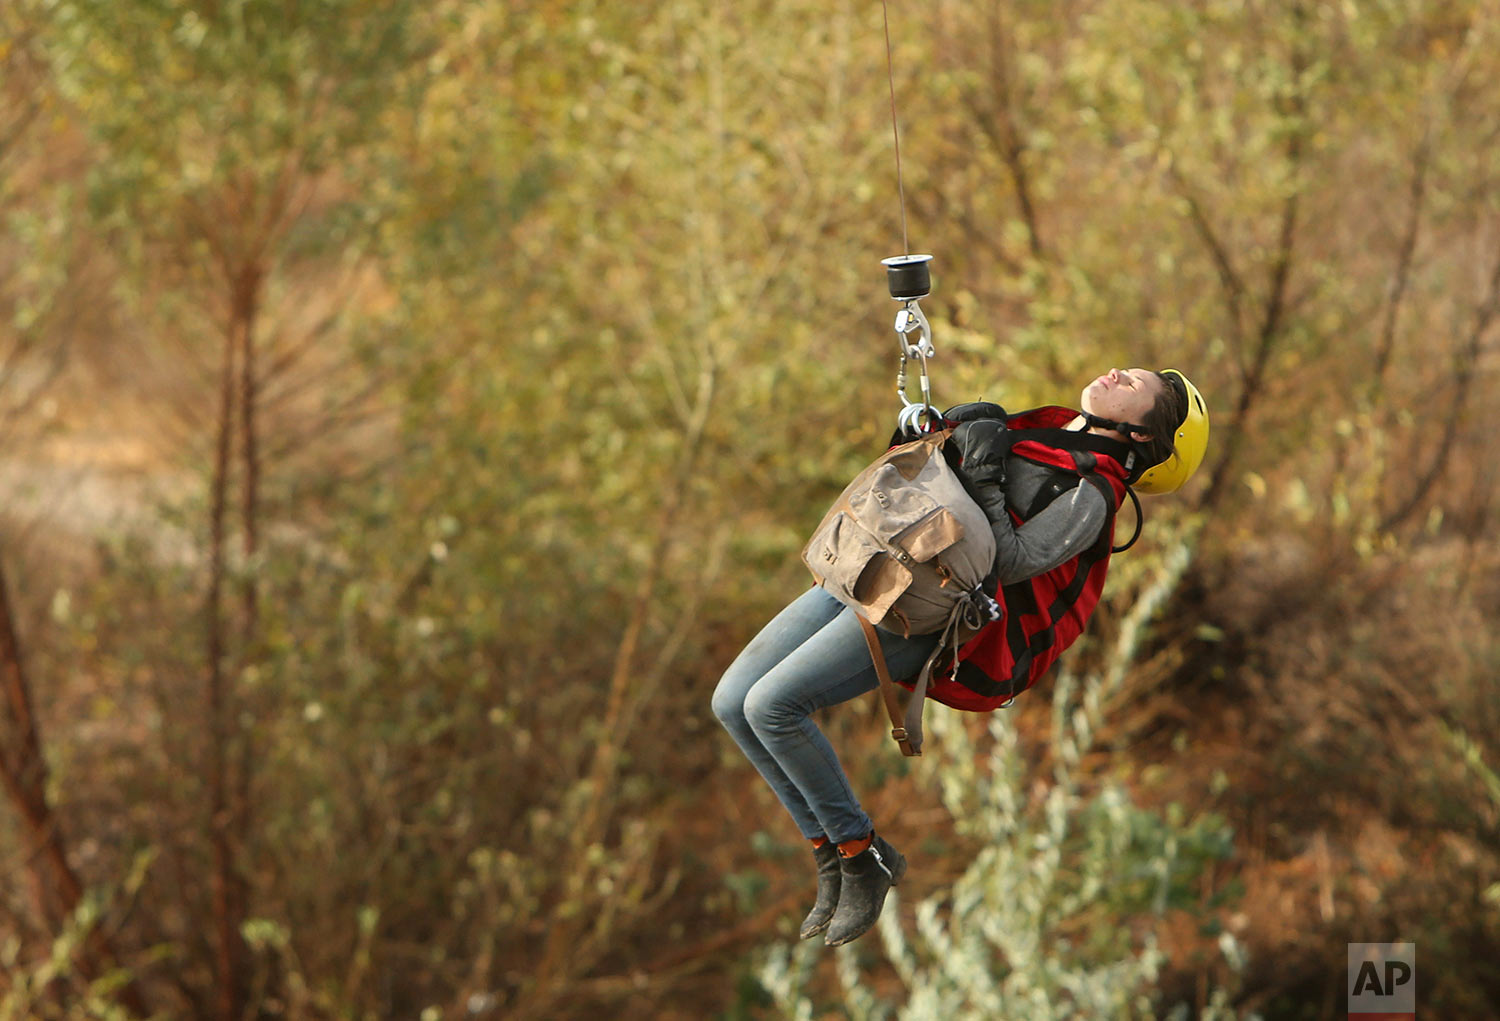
(827, 858)
(864, 881)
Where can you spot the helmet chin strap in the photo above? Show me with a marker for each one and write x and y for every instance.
(1123, 428)
(1135, 461)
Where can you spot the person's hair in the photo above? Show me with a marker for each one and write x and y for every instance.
(1169, 412)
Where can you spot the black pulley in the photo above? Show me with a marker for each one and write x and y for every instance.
(908, 276)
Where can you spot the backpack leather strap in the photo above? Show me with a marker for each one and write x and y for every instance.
(888, 691)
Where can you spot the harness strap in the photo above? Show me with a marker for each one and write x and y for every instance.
(1020, 596)
(888, 690)
(1073, 442)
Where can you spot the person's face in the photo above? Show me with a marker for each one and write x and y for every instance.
(1124, 395)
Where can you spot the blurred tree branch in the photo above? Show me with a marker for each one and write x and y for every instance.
(1401, 273)
(58, 892)
(1290, 103)
(999, 121)
(1465, 368)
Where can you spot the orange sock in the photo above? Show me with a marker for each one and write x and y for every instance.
(849, 848)
(819, 842)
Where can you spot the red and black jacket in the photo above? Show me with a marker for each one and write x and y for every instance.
(1045, 614)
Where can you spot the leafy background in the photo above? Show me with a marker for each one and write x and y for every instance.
(410, 409)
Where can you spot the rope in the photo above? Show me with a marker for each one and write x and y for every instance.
(890, 77)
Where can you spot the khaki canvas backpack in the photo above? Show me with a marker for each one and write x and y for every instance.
(907, 548)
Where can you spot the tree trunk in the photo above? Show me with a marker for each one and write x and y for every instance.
(247, 303)
(245, 310)
(227, 912)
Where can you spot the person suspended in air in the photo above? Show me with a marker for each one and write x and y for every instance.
(1048, 483)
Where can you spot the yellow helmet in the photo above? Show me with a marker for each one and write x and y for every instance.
(1191, 443)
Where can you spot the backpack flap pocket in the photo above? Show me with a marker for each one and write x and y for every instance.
(930, 536)
(889, 504)
(821, 554)
(854, 567)
(883, 581)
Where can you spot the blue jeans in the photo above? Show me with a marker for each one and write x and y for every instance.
(811, 655)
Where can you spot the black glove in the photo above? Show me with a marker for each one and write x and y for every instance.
(980, 447)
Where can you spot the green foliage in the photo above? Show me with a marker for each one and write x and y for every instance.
(190, 97)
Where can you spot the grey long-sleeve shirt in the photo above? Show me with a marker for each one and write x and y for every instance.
(1063, 529)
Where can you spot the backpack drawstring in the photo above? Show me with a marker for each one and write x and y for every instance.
(969, 615)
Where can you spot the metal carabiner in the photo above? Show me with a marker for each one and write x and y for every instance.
(909, 420)
(910, 319)
(909, 281)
